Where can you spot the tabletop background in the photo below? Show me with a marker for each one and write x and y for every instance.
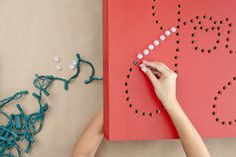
(32, 33)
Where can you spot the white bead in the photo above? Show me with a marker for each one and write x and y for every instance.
(146, 52)
(56, 59)
(59, 67)
(167, 33)
(140, 56)
(150, 47)
(173, 29)
(74, 62)
(156, 42)
(71, 66)
(162, 37)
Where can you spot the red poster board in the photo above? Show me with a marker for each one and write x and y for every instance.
(202, 51)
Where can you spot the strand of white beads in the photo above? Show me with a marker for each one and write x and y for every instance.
(156, 43)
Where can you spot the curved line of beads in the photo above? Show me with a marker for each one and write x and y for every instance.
(215, 27)
(128, 98)
(229, 25)
(214, 106)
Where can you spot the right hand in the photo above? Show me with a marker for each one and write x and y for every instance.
(163, 80)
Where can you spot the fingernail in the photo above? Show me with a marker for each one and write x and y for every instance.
(144, 69)
(142, 65)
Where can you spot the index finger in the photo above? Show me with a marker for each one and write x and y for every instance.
(157, 66)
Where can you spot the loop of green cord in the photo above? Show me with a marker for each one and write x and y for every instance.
(22, 127)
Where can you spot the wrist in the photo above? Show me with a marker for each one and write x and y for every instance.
(171, 104)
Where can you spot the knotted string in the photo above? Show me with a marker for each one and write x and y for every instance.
(21, 126)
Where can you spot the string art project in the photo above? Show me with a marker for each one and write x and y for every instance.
(23, 127)
(196, 39)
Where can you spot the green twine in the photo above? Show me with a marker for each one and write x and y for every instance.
(11, 98)
(91, 77)
(22, 127)
(43, 82)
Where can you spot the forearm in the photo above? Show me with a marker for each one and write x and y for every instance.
(190, 139)
(164, 83)
(91, 138)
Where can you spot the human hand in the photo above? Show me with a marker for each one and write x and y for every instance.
(163, 80)
(91, 138)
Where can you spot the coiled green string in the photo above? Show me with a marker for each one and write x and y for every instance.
(21, 126)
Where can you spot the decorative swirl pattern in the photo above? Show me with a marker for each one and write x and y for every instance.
(197, 24)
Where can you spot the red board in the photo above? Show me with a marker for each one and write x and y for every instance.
(202, 51)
